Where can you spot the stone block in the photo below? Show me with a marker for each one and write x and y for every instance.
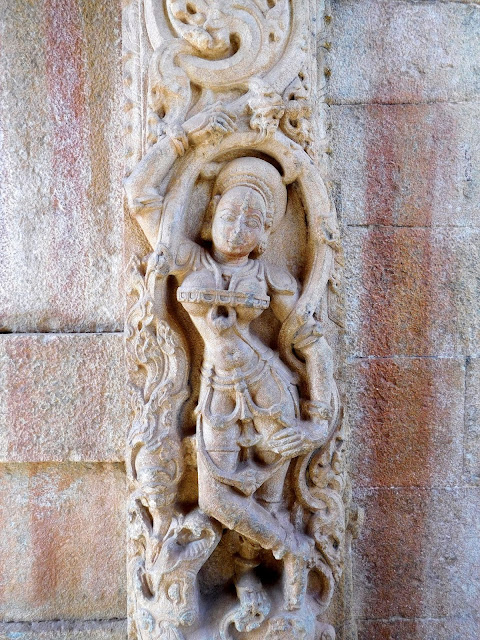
(62, 397)
(417, 555)
(62, 548)
(61, 216)
(408, 165)
(412, 292)
(402, 51)
(98, 630)
(447, 629)
(407, 417)
(472, 421)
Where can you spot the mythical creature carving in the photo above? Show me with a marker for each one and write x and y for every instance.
(235, 452)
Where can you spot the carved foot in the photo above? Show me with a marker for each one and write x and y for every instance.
(254, 602)
(253, 608)
(289, 626)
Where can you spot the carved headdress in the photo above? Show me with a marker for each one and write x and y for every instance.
(260, 176)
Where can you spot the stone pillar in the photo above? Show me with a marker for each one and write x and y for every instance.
(236, 451)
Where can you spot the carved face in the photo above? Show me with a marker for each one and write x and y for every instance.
(239, 222)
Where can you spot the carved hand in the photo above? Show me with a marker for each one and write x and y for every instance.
(159, 261)
(216, 121)
(291, 442)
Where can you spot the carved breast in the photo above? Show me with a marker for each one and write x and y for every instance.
(245, 292)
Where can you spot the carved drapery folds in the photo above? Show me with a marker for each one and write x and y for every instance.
(235, 452)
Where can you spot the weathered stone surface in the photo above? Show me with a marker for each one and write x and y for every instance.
(98, 630)
(408, 165)
(62, 548)
(418, 554)
(456, 628)
(216, 529)
(407, 422)
(412, 291)
(403, 51)
(60, 168)
(62, 397)
(472, 421)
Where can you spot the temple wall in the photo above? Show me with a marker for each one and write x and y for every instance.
(403, 90)
(62, 487)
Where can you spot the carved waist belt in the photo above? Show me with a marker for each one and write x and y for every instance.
(230, 380)
(222, 297)
(246, 409)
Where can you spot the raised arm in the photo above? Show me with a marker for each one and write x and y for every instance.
(142, 187)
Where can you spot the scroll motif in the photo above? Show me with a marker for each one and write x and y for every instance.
(235, 451)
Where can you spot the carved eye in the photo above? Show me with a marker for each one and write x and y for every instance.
(228, 216)
(253, 223)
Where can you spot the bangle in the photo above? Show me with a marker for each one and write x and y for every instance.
(178, 138)
(317, 410)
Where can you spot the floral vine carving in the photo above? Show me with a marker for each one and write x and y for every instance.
(235, 454)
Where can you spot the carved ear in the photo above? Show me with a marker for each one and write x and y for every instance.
(206, 232)
(256, 253)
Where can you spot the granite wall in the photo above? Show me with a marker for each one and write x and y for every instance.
(404, 91)
(62, 423)
(404, 87)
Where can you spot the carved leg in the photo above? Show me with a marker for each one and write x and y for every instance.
(242, 514)
(295, 576)
(295, 573)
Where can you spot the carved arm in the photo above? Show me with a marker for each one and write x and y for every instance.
(311, 345)
(143, 185)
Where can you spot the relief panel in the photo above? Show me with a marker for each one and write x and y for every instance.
(235, 454)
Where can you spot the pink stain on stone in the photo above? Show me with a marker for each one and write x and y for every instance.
(66, 79)
(399, 319)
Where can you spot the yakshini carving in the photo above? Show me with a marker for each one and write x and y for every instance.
(235, 452)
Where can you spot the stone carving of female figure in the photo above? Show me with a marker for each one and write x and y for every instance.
(250, 420)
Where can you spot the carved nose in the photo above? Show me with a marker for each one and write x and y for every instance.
(238, 238)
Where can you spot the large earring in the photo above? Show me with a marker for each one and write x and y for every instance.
(262, 246)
